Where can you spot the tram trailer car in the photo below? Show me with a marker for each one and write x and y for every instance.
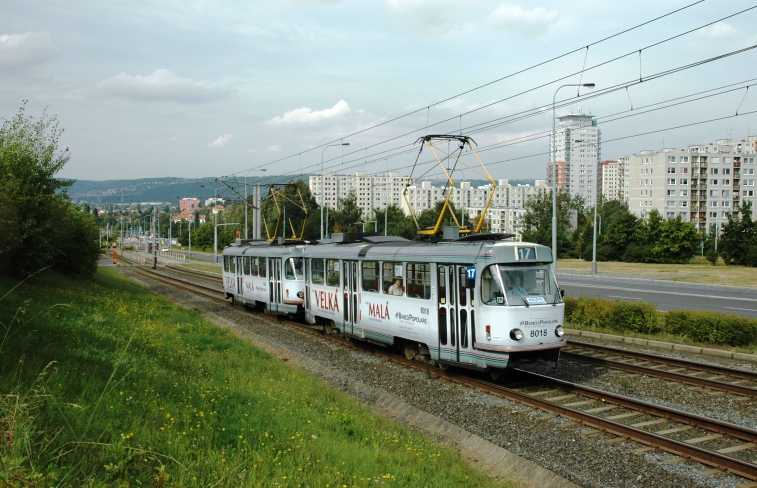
(479, 302)
(266, 276)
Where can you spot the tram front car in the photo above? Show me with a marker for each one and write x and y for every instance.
(523, 311)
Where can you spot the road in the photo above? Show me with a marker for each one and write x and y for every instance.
(665, 295)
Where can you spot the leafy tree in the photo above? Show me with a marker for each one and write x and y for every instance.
(677, 243)
(738, 238)
(398, 224)
(709, 245)
(34, 204)
(347, 213)
(616, 232)
(537, 222)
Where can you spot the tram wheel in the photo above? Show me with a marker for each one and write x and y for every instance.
(442, 366)
(409, 351)
(266, 310)
(233, 300)
(329, 327)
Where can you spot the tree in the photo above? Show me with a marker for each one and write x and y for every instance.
(678, 242)
(347, 213)
(709, 245)
(34, 204)
(398, 224)
(537, 222)
(738, 238)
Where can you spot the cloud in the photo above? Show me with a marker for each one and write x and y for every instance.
(430, 17)
(221, 140)
(273, 148)
(25, 50)
(513, 17)
(306, 115)
(160, 85)
(719, 30)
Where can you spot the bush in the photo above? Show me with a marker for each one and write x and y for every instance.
(640, 317)
(712, 327)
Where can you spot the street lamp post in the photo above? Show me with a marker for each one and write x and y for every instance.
(215, 221)
(361, 223)
(323, 182)
(596, 202)
(375, 225)
(246, 203)
(554, 172)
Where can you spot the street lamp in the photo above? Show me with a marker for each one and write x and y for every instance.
(215, 220)
(246, 202)
(375, 225)
(323, 182)
(361, 223)
(596, 202)
(554, 172)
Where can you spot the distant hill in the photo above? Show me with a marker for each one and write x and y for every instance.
(168, 190)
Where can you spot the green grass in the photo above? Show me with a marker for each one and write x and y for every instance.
(210, 268)
(106, 384)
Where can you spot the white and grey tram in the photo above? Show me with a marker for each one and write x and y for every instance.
(480, 302)
(458, 303)
(270, 277)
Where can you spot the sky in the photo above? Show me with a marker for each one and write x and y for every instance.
(194, 89)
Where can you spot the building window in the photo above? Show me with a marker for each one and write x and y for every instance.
(671, 171)
(671, 181)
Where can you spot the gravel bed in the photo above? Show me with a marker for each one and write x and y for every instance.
(577, 453)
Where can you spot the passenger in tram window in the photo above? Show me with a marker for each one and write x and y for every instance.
(396, 288)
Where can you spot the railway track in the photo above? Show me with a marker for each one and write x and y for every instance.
(721, 445)
(709, 376)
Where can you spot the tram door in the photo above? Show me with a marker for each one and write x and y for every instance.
(455, 314)
(274, 287)
(240, 280)
(350, 298)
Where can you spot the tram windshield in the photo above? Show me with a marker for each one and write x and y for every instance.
(518, 286)
(293, 270)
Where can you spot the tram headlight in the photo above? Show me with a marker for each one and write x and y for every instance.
(516, 334)
(559, 331)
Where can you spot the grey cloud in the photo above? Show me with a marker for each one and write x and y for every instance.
(27, 50)
(160, 85)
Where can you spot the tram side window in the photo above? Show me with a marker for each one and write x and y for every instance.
(418, 280)
(316, 271)
(461, 287)
(491, 293)
(254, 266)
(262, 267)
(391, 272)
(370, 276)
(247, 265)
(332, 272)
(228, 264)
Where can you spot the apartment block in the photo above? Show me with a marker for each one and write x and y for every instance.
(576, 144)
(701, 184)
(611, 180)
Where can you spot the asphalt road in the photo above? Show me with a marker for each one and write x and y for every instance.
(665, 295)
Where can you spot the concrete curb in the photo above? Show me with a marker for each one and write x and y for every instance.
(668, 346)
(492, 459)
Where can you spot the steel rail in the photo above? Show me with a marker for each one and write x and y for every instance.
(678, 377)
(712, 368)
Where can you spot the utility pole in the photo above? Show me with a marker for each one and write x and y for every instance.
(154, 238)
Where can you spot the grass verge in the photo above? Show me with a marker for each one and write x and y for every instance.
(106, 384)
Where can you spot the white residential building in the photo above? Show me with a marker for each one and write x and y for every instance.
(577, 143)
(701, 184)
(611, 180)
(377, 192)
